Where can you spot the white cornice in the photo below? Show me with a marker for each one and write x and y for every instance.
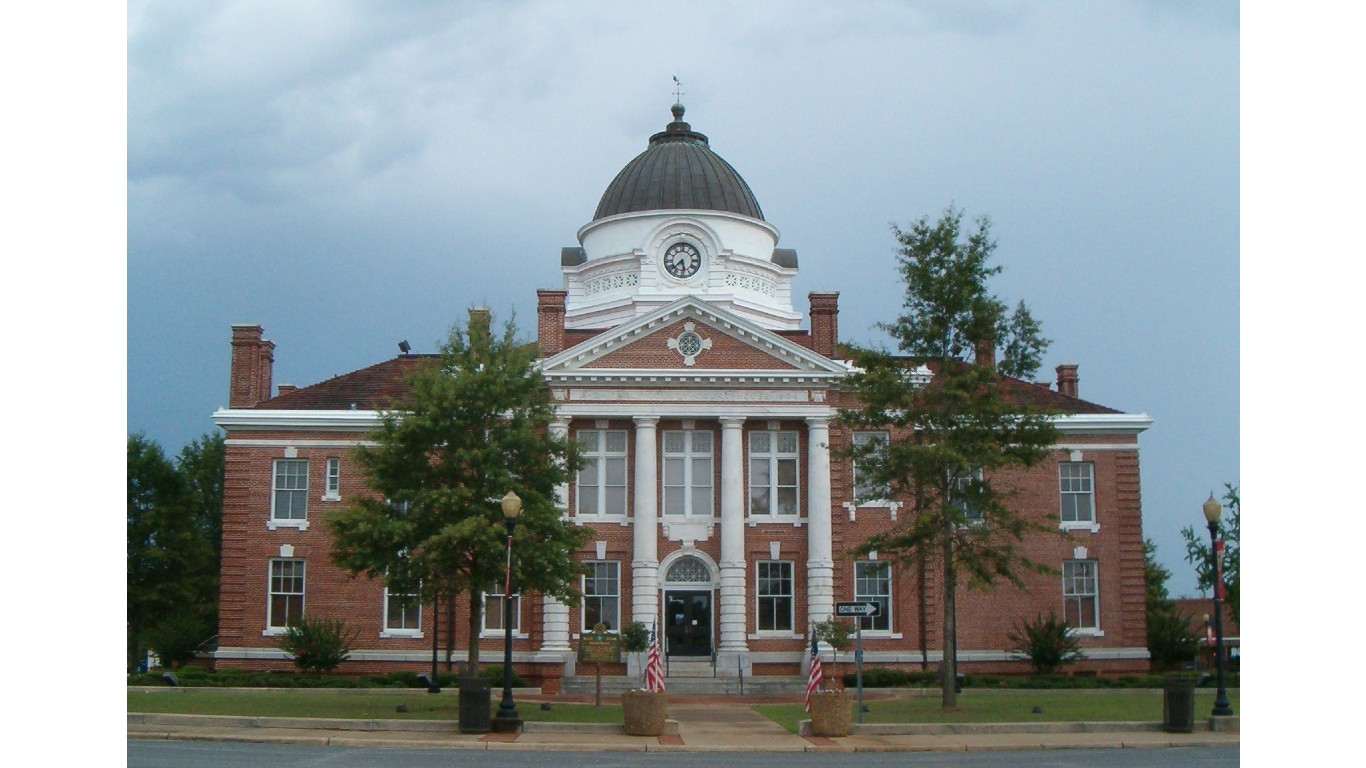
(1102, 423)
(252, 418)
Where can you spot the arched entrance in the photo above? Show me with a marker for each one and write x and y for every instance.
(688, 591)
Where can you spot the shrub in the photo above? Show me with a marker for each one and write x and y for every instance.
(494, 672)
(318, 645)
(1048, 643)
(635, 637)
(177, 638)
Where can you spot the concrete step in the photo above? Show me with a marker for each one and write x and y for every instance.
(615, 685)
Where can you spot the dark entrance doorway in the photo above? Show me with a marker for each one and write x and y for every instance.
(687, 622)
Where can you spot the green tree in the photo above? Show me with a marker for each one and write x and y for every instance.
(174, 524)
(953, 425)
(473, 426)
(1198, 550)
(1170, 640)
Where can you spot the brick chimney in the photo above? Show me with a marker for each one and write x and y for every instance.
(252, 360)
(550, 320)
(1067, 379)
(825, 323)
(985, 352)
(478, 330)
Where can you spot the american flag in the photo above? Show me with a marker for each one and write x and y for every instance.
(813, 679)
(654, 668)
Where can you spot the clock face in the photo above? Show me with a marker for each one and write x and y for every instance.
(682, 260)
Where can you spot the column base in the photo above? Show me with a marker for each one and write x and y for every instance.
(733, 663)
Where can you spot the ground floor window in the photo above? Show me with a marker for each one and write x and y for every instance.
(774, 593)
(286, 605)
(1080, 594)
(402, 613)
(873, 584)
(493, 612)
(602, 595)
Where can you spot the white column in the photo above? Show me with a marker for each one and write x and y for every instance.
(555, 624)
(645, 557)
(820, 565)
(733, 605)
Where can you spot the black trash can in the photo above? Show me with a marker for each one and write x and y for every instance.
(1178, 705)
(474, 704)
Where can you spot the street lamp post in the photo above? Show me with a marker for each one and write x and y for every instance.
(507, 710)
(1212, 511)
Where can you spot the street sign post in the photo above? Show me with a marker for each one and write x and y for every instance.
(863, 610)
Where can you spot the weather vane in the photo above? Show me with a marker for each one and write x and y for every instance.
(678, 91)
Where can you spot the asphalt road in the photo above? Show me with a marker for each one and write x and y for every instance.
(178, 754)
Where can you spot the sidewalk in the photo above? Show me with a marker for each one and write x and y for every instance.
(705, 724)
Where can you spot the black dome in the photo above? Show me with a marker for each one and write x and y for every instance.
(678, 170)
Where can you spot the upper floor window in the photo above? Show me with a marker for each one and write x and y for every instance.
(873, 584)
(965, 488)
(289, 501)
(773, 595)
(286, 604)
(1076, 487)
(688, 472)
(601, 483)
(332, 487)
(865, 488)
(1081, 594)
(602, 595)
(773, 473)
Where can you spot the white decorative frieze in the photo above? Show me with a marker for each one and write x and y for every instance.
(691, 395)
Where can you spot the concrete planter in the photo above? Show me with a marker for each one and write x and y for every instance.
(644, 712)
(831, 713)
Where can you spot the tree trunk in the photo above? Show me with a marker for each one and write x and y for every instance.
(950, 663)
(450, 631)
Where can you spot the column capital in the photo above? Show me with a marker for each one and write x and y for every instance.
(732, 422)
(818, 421)
(645, 421)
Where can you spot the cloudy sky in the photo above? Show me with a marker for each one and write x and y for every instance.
(350, 174)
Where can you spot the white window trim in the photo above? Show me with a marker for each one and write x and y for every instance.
(891, 604)
(791, 596)
(583, 603)
(273, 522)
(387, 631)
(1092, 525)
(600, 452)
(884, 502)
(329, 493)
(687, 456)
(271, 631)
(486, 633)
(1095, 631)
(773, 455)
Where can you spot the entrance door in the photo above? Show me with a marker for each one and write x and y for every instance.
(687, 622)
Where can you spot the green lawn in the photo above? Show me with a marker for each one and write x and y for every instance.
(1009, 707)
(348, 705)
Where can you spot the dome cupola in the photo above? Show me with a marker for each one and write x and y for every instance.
(678, 171)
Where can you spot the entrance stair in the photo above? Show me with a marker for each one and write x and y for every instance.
(690, 682)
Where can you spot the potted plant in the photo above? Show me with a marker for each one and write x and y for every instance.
(643, 712)
(831, 713)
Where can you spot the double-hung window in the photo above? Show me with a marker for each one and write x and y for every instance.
(866, 489)
(688, 472)
(332, 487)
(873, 584)
(1080, 594)
(601, 483)
(493, 611)
(602, 595)
(773, 473)
(402, 613)
(1076, 488)
(286, 604)
(774, 595)
(289, 500)
(964, 489)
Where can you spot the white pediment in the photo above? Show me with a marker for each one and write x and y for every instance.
(790, 359)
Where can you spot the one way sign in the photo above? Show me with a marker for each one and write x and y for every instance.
(870, 610)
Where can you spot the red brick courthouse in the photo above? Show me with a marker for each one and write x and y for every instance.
(705, 403)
